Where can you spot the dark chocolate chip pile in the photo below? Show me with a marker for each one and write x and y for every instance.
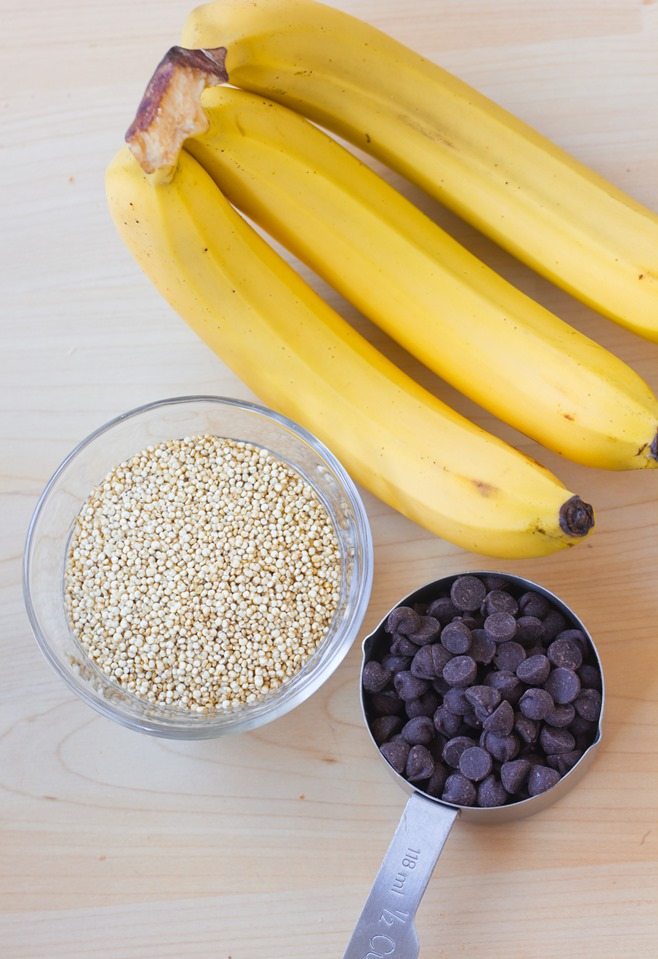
(484, 696)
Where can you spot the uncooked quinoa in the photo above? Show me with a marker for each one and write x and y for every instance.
(202, 573)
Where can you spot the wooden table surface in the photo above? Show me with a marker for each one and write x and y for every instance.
(117, 845)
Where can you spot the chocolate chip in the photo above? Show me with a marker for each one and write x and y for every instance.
(529, 630)
(536, 650)
(583, 730)
(455, 700)
(440, 685)
(541, 778)
(456, 637)
(429, 661)
(471, 720)
(534, 604)
(502, 748)
(506, 683)
(483, 700)
(526, 729)
(475, 763)
(563, 762)
(408, 686)
(455, 747)
(493, 581)
(428, 630)
(514, 775)
(500, 627)
(554, 740)
(509, 656)
(467, 593)
(482, 648)
(442, 609)
(554, 622)
(590, 676)
(385, 704)
(436, 783)
(396, 754)
(566, 652)
(446, 722)
(536, 703)
(472, 620)
(422, 665)
(437, 746)
(501, 720)
(420, 764)
(577, 635)
(425, 705)
(588, 704)
(491, 793)
(419, 731)
(403, 620)
(534, 670)
(535, 759)
(561, 716)
(459, 790)
(396, 664)
(498, 601)
(402, 646)
(383, 727)
(563, 685)
(460, 671)
(374, 677)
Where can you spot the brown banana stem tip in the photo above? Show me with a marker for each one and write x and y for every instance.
(653, 449)
(576, 517)
(170, 110)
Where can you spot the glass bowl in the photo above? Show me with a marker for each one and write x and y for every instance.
(87, 465)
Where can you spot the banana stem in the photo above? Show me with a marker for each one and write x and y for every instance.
(576, 517)
(170, 110)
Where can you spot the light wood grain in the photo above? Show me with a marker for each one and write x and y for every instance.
(116, 845)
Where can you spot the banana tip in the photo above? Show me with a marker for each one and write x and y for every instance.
(576, 517)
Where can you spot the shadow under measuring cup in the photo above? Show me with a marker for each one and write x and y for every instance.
(385, 928)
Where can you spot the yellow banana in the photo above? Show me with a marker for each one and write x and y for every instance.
(456, 315)
(502, 176)
(300, 357)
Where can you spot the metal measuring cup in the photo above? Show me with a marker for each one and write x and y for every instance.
(385, 929)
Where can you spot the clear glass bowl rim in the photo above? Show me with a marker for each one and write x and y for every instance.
(214, 726)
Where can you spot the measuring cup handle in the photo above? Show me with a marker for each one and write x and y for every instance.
(385, 929)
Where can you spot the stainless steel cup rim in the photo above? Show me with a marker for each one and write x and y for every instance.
(524, 807)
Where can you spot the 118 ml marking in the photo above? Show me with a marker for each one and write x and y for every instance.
(408, 863)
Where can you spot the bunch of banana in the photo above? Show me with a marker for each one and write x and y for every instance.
(300, 357)
(456, 315)
(502, 176)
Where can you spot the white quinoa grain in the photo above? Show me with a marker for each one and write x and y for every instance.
(202, 573)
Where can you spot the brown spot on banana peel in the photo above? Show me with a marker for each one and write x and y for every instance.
(576, 517)
(486, 489)
(649, 451)
(170, 110)
(653, 449)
